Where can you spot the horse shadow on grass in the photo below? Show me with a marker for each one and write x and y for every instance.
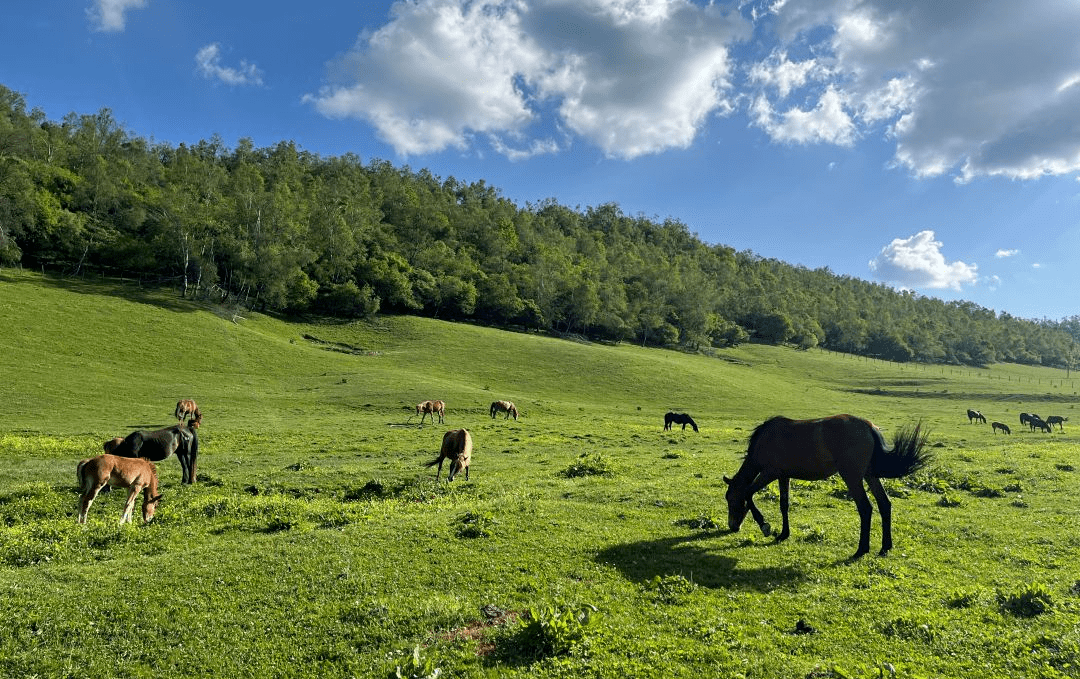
(685, 555)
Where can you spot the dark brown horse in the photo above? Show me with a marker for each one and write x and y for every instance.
(504, 407)
(433, 408)
(679, 418)
(136, 475)
(975, 415)
(185, 408)
(456, 447)
(1036, 422)
(781, 449)
(158, 445)
(1000, 425)
(1058, 420)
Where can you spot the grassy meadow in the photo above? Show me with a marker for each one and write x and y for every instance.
(587, 542)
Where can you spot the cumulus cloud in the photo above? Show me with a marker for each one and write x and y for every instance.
(917, 262)
(632, 77)
(1006, 253)
(109, 16)
(960, 89)
(989, 89)
(208, 61)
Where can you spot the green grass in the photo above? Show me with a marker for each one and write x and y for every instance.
(588, 542)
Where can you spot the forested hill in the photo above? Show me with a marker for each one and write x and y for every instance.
(283, 229)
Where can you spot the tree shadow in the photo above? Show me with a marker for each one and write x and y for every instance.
(685, 555)
(132, 290)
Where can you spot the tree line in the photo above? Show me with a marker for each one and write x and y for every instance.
(294, 232)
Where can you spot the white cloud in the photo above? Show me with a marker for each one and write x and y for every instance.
(1006, 253)
(108, 16)
(984, 89)
(961, 89)
(208, 60)
(632, 77)
(917, 262)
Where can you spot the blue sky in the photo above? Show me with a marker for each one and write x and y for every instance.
(929, 145)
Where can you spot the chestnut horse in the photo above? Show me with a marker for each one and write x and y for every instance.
(135, 474)
(679, 418)
(781, 449)
(456, 447)
(433, 408)
(504, 407)
(158, 445)
(186, 407)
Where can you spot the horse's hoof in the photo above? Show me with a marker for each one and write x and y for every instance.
(766, 529)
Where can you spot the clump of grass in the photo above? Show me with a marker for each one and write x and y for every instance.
(587, 464)
(475, 525)
(554, 630)
(702, 522)
(671, 589)
(1027, 601)
(964, 598)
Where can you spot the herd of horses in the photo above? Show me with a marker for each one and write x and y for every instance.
(779, 449)
(1030, 419)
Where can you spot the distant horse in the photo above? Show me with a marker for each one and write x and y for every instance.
(998, 425)
(975, 415)
(1025, 418)
(456, 447)
(1058, 420)
(135, 474)
(158, 445)
(504, 407)
(186, 407)
(1035, 422)
(781, 449)
(433, 408)
(679, 418)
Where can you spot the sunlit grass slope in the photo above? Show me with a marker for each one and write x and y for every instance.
(317, 543)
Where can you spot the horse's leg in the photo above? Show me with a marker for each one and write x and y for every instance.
(862, 503)
(759, 483)
(133, 492)
(884, 507)
(784, 482)
(87, 499)
(439, 470)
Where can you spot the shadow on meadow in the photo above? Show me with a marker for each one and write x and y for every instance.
(130, 289)
(642, 561)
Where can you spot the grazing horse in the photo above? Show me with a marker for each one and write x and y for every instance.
(186, 407)
(975, 415)
(111, 444)
(1037, 423)
(456, 447)
(135, 474)
(1025, 418)
(1058, 420)
(158, 445)
(433, 408)
(679, 418)
(999, 425)
(504, 407)
(781, 449)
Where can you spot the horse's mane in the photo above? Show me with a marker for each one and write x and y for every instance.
(760, 429)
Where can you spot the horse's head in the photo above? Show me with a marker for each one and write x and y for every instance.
(111, 444)
(150, 503)
(737, 504)
(457, 465)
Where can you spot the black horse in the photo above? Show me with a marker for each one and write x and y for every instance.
(679, 418)
(1036, 422)
(975, 415)
(1025, 418)
(157, 445)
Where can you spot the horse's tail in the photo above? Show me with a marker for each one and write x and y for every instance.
(434, 462)
(78, 472)
(907, 455)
